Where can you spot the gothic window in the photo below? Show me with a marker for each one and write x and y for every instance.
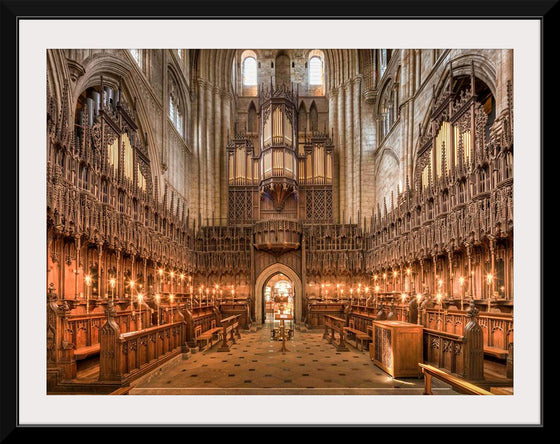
(250, 71)
(382, 61)
(315, 71)
(137, 56)
(176, 108)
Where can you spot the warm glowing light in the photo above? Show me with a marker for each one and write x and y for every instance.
(377, 288)
(172, 274)
(112, 281)
(461, 281)
(160, 271)
(88, 279)
(182, 276)
(438, 298)
(171, 298)
(140, 297)
(394, 274)
(374, 277)
(440, 282)
(418, 297)
(322, 285)
(351, 290)
(489, 278)
(408, 271)
(384, 275)
(367, 289)
(131, 284)
(158, 298)
(403, 296)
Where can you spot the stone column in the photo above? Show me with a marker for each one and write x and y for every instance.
(357, 142)
(202, 159)
(210, 150)
(219, 153)
(349, 149)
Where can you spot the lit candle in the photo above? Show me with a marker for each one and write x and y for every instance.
(140, 297)
(88, 283)
(158, 298)
(112, 281)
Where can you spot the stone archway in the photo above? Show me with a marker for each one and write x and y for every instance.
(265, 275)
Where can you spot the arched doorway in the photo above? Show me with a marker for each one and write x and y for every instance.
(261, 283)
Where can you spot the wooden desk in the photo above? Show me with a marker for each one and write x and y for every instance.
(397, 347)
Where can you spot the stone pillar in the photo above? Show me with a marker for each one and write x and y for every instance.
(219, 154)
(203, 153)
(357, 148)
(342, 150)
(349, 149)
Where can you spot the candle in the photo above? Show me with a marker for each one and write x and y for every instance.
(112, 281)
(158, 297)
(140, 297)
(88, 283)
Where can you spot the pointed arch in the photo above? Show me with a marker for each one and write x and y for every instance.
(252, 121)
(263, 278)
(302, 118)
(313, 117)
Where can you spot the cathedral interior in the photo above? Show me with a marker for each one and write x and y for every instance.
(263, 221)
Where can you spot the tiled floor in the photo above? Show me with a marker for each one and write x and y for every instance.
(256, 365)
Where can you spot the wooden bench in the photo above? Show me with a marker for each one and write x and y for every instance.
(85, 352)
(207, 337)
(359, 336)
(457, 383)
(230, 330)
(499, 353)
(334, 325)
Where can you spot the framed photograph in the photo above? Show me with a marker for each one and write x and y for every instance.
(266, 215)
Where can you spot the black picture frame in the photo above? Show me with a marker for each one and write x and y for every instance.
(14, 11)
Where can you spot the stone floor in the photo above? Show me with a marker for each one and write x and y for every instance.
(256, 365)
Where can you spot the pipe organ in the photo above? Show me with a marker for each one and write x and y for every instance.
(280, 175)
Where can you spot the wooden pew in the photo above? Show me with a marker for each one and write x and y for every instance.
(207, 337)
(334, 325)
(230, 330)
(359, 336)
(457, 383)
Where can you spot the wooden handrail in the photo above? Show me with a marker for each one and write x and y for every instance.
(458, 384)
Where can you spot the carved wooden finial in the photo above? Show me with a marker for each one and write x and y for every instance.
(472, 311)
